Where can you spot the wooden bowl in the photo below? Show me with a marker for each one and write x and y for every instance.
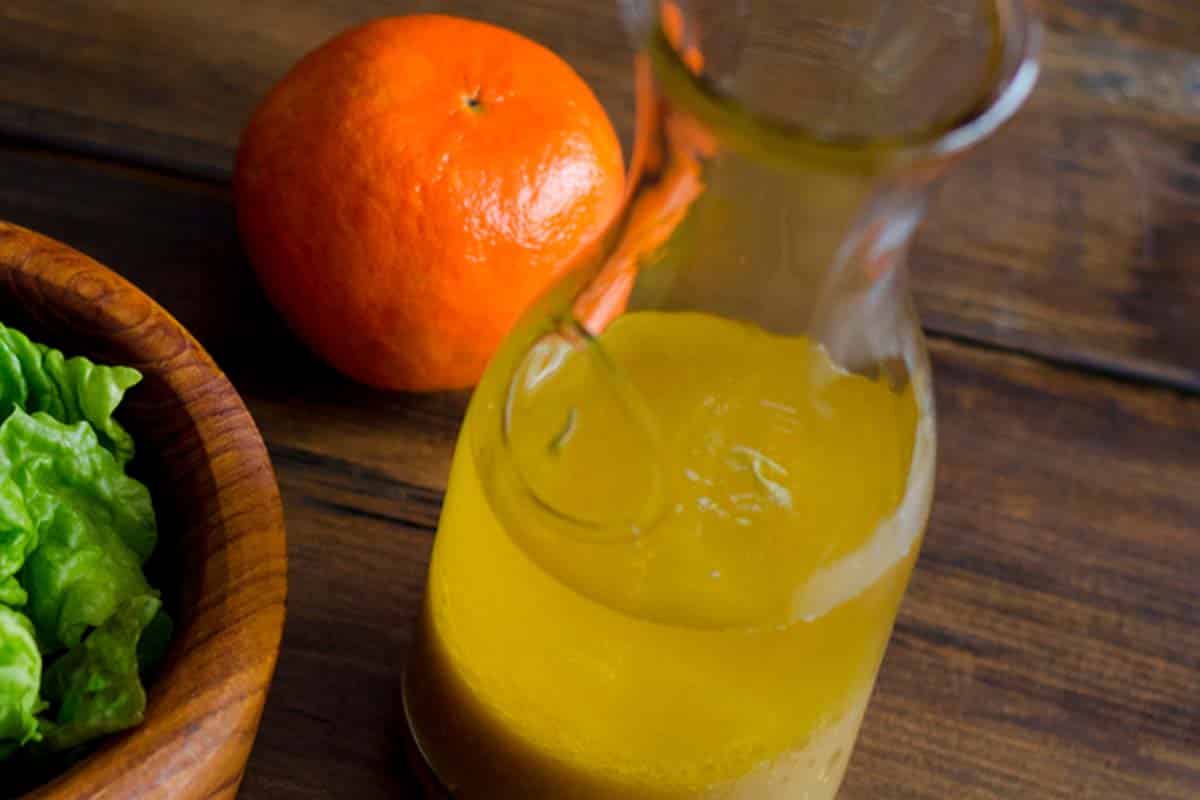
(221, 561)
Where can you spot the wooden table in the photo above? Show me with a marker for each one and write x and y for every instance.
(1049, 646)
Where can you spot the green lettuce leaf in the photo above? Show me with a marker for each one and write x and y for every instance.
(95, 526)
(12, 593)
(35, 377)
(75, 531)
(20, 678)
(18, 538)
(95, 689)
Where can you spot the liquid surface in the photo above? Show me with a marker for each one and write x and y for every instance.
(678, 578)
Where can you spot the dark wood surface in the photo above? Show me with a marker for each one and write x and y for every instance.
(1049, 646)
(221, 558)
(1065, 237)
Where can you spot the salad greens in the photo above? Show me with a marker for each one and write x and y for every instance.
(95, 686)
(20, 676)
(36, 378)
(79, 623)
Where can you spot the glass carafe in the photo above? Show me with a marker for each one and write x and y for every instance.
(691, 487)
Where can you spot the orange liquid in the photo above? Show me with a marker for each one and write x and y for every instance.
(714, 630)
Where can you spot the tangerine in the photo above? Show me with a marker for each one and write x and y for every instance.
(413, 184)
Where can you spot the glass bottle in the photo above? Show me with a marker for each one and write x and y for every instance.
(691, 487)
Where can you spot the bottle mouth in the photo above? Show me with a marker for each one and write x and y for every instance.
(1008, 76)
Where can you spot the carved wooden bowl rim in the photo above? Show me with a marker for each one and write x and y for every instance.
(204, 707)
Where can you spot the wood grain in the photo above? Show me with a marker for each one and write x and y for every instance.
(1066, 236)
(221, 561)
(1167, 23)
(1049, 646)
(170, 83)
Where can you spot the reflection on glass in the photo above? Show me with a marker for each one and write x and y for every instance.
(691, 488)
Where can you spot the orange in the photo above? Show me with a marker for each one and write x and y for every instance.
(413, 184)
